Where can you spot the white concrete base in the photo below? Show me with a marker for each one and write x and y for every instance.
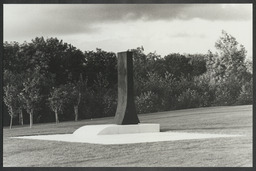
(115, 134)
(112, 129)
(127, 138)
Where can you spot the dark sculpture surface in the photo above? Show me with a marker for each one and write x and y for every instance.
(126, 112)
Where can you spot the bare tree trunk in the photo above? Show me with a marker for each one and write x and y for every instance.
(76, 106)
(11, 122)
(31, 118)
(76, 112)
(21, 117)
(56, 116)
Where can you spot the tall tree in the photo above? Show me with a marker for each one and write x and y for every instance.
(139, 63)
(101, 62)
(178, 65)
(76, 90)
(231, 56)
(228, 69)
(13, 86)
(198, 63)
(31, 96)
(11, 60)
(36, 57)
(57, 100)
(11, 101)
(31, 93)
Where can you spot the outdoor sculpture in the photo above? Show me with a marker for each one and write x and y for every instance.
(126, 112)
(126, 120)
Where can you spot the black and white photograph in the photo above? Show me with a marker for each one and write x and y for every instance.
(127, 85)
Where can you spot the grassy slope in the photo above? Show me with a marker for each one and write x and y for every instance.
(219, 152)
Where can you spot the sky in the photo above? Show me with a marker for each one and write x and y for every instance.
(160, 28)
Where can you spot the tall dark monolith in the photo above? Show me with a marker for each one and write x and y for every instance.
(125, 112)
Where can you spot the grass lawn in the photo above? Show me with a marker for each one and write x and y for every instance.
(216, 152)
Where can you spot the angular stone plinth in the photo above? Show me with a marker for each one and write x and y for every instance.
(112, 129)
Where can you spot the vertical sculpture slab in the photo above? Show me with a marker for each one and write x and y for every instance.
(126, 112)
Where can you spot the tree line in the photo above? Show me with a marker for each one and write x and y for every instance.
(49, 80)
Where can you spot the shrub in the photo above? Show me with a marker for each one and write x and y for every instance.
(109, 103)
(166, 88)
(188, 99)
(146, 102)
(246, 94)
(206, 88)
(227, 91)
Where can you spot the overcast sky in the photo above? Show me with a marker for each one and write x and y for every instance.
(165, 28)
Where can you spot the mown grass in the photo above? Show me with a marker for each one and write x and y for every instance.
(219, 152)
